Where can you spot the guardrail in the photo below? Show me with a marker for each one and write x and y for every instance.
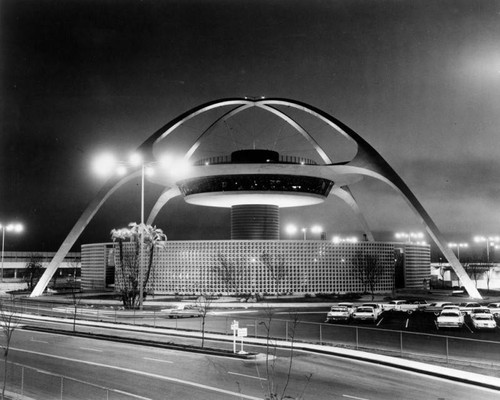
(406, 344)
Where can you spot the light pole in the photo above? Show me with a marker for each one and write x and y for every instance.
(104, 165)
(489, 240)
(17, 228)
(458, 245)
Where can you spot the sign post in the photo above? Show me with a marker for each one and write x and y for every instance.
(234, 328)
(242, 333)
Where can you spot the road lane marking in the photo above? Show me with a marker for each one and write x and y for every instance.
(137, 372)
(407, 322)
(378, 323)
(39, 341)
(247, 376)
(353, 397)
(157, 359)
(91, 349)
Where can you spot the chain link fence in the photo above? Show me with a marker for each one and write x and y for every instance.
(402, 343)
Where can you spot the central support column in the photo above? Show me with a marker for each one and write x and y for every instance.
(255, 222)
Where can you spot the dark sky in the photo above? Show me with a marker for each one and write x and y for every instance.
(419, 80)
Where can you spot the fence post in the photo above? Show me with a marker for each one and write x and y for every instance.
(22, 381)
(357, 338)
(401, 343)
(154, 319)
(446, 349)
(255, 328)
(62, 387)
(286, 330)
(320, 334)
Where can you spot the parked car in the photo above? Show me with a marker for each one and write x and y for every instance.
(182, 312)
(437, 307)
(450, 319)
(366, 313)
(467, 307)
(340, 312)
(451, 307)
(408, 306)
(494, 309)
(376, 306)
(482, 319)
(392, 305)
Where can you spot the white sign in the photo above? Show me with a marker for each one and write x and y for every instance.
(242, 332)
(235, 326)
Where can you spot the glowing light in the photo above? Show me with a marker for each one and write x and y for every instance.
(121, 170)
(316, 229)
(135, 159)
(104, 164)
(291, 229)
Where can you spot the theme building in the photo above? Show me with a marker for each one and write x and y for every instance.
(256, 183)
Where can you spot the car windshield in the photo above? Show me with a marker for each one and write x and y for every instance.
(483, 317)
(449, 314)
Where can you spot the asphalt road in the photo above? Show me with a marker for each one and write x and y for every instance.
(154, 373)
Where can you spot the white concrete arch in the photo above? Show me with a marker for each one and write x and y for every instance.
(367, 161)
(107, 190)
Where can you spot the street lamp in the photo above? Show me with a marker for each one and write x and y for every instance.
(104, 166)
(339, 239)
(409, 236)
(16, 228)
(458, 245)
(292, 229)
(489, 240)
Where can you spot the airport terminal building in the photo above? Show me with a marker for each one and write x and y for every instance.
(239, 267)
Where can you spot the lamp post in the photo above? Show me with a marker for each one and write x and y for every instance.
(17, 228)
(458, 246)
(489, 240)
(104, 165)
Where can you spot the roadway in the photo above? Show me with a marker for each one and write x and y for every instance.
(154, 373)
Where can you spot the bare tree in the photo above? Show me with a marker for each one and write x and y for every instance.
(76, 299)
(272, 390)
(33, 270)
(10, 322)
(204, 304)
(276, 268)
(488, 275)
(226, 271)
(369, 271)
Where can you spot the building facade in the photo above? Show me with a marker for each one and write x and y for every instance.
(240, 267)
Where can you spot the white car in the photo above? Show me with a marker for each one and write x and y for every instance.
(451, 307)
(393, 305)
(494, 309)
(376, 306)
(450, 319)
(483, 319)
(366, 313)
(340, 312)
(467, 308)
(437, 307)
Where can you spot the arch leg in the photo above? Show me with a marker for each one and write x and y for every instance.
(77, 230)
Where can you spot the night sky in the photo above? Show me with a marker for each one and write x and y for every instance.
(419, 80)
